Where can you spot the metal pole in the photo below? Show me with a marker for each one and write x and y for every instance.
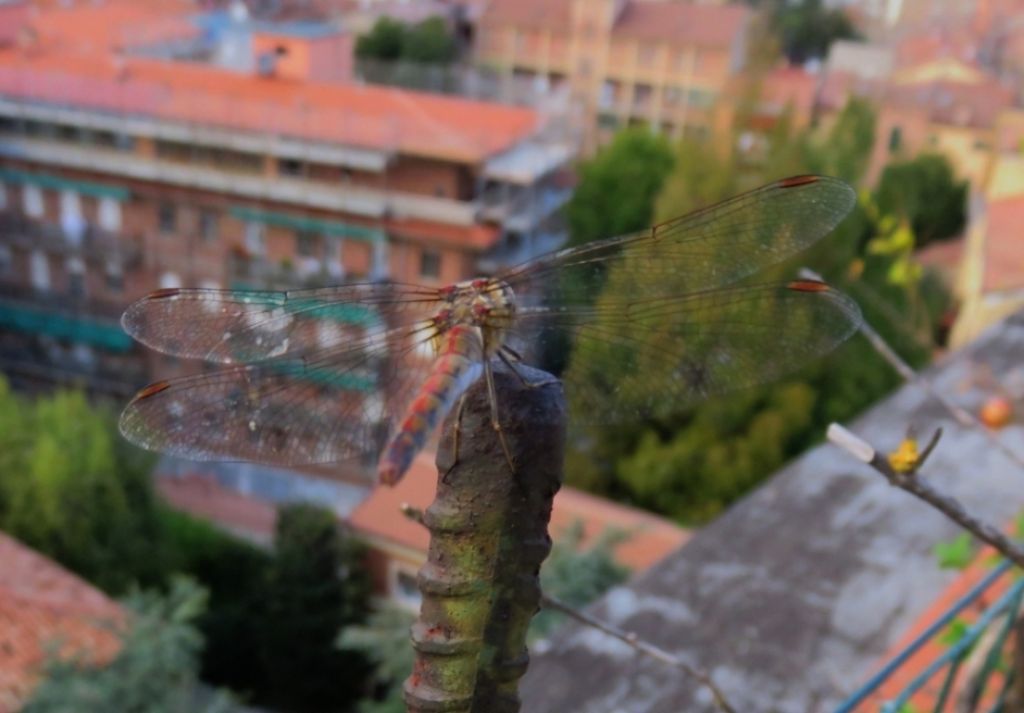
(488, 537)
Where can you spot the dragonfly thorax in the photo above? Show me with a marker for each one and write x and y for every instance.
(486, 304)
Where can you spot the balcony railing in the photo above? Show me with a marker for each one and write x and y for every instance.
(355, 200)
(107, 313)
(92, 242)
(972, 667)
(525, 209)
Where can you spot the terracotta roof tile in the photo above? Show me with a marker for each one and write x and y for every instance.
(42, 603)
(74, 62)
(379, 516)
(677, 23)
(546, 14)
(681, 23)
(651, 537)
(203, 496)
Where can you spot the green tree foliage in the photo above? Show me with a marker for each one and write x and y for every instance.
(234, 572)
(390, 40)
(577, 575)
(154, 672)
(429, 41)
(689, 463)
(384, 641)
(71, 488)
(314, 588)
(617, 188)
(806, 29)
(924, 191)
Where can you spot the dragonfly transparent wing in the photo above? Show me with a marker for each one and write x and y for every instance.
(636, 359)
(239, 327)
(311, 377)
(709, 248)
(657, 320)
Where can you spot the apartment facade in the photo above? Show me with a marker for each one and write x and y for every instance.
(124, 172)
(660, 63)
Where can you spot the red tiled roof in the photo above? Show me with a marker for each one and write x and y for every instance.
(13, 17)
(89, 27)
(1004, 246)
(935, 647)
(790, 86)
(681, 23)
(365, 116)
(546, 14)
(379, 516)
(73, 61)
(41, 603)
(943, 255)
(651, 537)
(205, 497)
(672, 21)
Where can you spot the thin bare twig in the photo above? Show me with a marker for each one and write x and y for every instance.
(961, 415)
(911, 483)
(627, 637)
(637, 644)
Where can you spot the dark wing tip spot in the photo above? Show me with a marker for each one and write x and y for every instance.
(794, 181)
(164, 293)
(808, 286)
(152, 390)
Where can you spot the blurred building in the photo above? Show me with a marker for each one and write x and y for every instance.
(396, 546)
(147, 145)
(655, 63)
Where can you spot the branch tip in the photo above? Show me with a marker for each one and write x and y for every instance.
(860, 449)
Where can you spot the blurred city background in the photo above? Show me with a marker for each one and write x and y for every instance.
(275, 144)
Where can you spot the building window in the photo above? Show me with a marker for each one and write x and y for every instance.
(381, 269)
(290, 167)
(39, 270)
(895, 139)
(642, 94)
(305, 243)
(403, 587)
(701, 97)
(109, 214)
(72, 222)
(3, 196)
(609, 92)
(32, 201)
(430, 264)
(169, 281)
(255, 239)
(673, 96)
(167, 218)
(6, 260)
(115, 279)
(208, 225)
(76, 276)
(334, 261)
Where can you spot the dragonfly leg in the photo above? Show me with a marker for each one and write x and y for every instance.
(511, 364)
(456, 433)
(492, 393)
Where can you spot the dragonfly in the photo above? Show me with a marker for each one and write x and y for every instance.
(653, 321)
